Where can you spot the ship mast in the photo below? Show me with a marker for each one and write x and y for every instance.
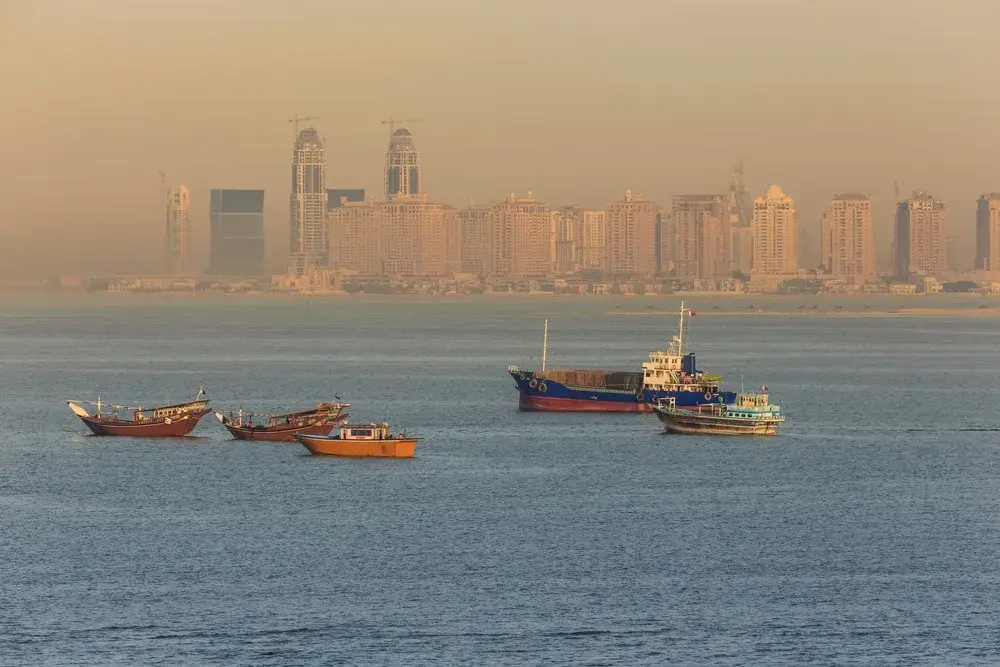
(680, 338)
(545, 344)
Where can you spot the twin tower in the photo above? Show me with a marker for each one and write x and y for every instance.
(309, 205)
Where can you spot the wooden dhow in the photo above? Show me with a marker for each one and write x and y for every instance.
(166, 421)
(282, 428)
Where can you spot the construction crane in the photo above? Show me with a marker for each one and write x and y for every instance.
(393, 122)
(301, 119)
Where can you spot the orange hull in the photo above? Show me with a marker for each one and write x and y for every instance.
(402, 448)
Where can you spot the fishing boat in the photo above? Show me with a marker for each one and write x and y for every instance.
(752, 413)
(670, 373)
(361, 440)
(167, 421)
(282, 428)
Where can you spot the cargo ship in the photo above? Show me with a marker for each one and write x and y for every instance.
(669, 374)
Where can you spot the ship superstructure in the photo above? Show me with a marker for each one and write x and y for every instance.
(669, 373)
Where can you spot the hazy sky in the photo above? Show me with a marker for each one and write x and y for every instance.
(574, 99)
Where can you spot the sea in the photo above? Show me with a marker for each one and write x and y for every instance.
(867, 532)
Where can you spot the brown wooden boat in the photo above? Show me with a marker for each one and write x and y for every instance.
(361, 440)
(282, 428)
(168, 421)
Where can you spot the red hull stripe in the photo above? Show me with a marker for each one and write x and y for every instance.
(548, 404)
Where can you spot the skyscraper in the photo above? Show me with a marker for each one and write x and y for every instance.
(847, 237)
(988, 232)
(775, 234)
(565, 227)
(919, 243)
(178, 229)
(591, 237)
(702, 248)
(237, 229)
(404, 237)
(417, 237)
(402, 166)
(475, 225)
(740, 204)
(358, 237)
(631, 236)
(520, 238)
(742, 244)
(309, 226)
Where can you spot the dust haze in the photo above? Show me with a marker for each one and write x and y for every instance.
(575, 100)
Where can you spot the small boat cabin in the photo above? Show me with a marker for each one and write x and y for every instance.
(371, 431)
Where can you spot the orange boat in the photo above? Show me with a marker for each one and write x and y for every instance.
(168, 421)
(282, 428)
(361, 440)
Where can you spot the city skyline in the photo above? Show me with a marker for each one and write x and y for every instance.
(311, 245)
(700, 237)
(108, 89)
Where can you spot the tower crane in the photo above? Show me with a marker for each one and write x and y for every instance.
(301, 119)
(393, 122)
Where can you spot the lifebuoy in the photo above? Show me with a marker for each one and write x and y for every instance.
(543, 387)
(533, 383)
(708, 395)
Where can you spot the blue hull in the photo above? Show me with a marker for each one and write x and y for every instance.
(550, 395)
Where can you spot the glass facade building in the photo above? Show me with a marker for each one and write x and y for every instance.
(237, 231)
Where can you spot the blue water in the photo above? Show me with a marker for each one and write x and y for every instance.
(866, 533)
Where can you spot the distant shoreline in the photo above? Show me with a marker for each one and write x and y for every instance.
(958, 312)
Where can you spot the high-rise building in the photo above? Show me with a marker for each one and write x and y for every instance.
(358, 237)
(988, 232)
(178, 230)
(775, 234)
(520, 238)
(847, 237)
(565, 227)
(309, 240)
(919, 243)
(740, 222)
(742, 249)
(453, 241)
(402, 166)
(666, 244)
(703, 239)
(336, 196)
(592, 236)
(237, 233)
(404, 237)
(630, 248)
(417, 237)
(740, 203)
(475, 225)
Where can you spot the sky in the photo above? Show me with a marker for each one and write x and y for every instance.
(576, 100)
